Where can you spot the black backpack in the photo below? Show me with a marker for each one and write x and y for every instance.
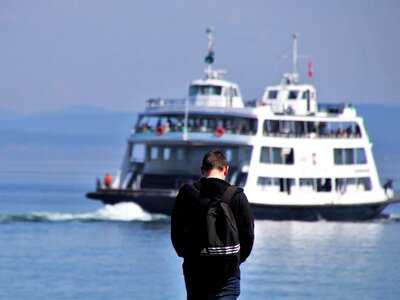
(221, 234)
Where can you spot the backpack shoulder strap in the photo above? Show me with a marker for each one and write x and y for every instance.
(228, 194)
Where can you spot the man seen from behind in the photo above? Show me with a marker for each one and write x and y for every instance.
(208, 277)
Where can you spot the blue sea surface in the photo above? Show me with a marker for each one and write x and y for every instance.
(56, 244)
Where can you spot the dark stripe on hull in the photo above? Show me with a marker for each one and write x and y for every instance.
(315, 213)
(161, 202)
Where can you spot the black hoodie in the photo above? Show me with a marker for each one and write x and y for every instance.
(187, 228)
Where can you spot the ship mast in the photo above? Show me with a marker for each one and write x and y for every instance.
(295, 55)
(294, 76)
(209, 59)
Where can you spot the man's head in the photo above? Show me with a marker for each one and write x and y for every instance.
(214, 165)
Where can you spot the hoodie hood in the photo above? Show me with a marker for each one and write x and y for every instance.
(214, 187)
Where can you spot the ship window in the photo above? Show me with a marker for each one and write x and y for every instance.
(324, 185)
(276, 155)
(299, 128)
(293, 95)
(154, 153)
(276, 184)
(273, 94)
(315, 184)
(233, 92)
(241, 179)
(344, 185)
(265, 156)
(364, 183)
(229, 155)
(264, 181)
(180, 154)
(167, 153)
(338, 157)
(245, 155)
(306, 184)
(323, 129)
(361, 158)
(205, 90)
(306, 94)
(271, 127)
(138, 152)
(311, 127)
(349, 156)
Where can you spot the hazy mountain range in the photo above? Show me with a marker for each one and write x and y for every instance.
(86, 133)
(77, 133)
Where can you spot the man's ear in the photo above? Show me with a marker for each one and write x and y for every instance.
(226, 170)
(202, 171)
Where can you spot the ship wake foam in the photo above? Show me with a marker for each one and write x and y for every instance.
(124, 212)
(384, 218)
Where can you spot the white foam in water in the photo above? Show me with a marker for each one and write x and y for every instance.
(117, 212)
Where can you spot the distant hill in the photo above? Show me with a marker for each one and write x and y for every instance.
(76, 133)
(74, 120)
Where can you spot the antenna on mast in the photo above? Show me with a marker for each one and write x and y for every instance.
(295, 55)
(294, 76)
(210, 55)
(209, 59)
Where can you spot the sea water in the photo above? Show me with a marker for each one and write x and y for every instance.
(56, 244)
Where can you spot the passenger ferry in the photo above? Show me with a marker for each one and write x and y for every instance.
(295, 159)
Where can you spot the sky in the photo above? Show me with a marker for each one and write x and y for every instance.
(115, 54)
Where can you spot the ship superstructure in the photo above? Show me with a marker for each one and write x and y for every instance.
(294, 158)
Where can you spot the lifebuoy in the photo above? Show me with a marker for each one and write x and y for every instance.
(159, 130)
(219, 131)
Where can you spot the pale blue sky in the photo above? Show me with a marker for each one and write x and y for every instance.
(116, 54)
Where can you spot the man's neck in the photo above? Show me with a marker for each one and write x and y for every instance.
(216, 174)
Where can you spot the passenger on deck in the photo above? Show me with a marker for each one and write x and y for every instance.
(339, 132)
(107, 181)
(168, 126)
(147, 128)
(357, 131)
(203, 127)
(349, 131)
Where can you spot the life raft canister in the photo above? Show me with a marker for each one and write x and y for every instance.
(159, 130)
(219, 131)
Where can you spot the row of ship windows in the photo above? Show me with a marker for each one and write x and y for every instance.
(212, 90)
(173, 123)
(311, 129)
(292, 94)
(165, 153)
(315, 184)
(285, 156)
(269, 155)
(248, 126)
(177, 154)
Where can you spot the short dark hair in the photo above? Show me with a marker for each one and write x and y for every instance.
(214, 159)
